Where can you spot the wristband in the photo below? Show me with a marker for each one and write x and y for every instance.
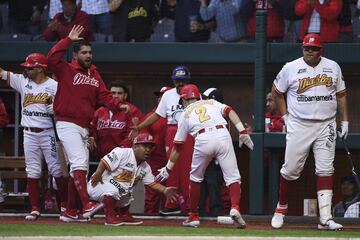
(170, 165)
(240, 127)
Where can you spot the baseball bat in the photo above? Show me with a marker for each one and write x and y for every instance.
(60, 150)
(351, 163)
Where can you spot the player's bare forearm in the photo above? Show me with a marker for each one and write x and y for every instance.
(148, 121)
(234, 118)
(280, 100)
(174, 155)
(158, 187)
(101, 168)
(342, 107)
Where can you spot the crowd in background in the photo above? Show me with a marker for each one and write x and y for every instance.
(180, 20)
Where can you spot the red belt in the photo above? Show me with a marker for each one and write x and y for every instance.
(35, 130)
(204, 129)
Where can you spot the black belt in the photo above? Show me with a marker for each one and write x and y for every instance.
(35, 130)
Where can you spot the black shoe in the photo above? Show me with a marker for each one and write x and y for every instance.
(169, 211)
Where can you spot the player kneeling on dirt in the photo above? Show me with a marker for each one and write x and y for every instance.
(117, 174)
(204, 120)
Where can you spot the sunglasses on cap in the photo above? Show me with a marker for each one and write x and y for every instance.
(312, 48)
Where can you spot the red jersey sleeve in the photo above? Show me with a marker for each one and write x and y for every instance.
(56, 54)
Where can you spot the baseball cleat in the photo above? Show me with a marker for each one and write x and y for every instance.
(192, 221)
(277, 221)
(129, 220)
(238, 220)
(331, 226)
(72, 216)
(113, 221)
(94, 209)
(32, 216)
(169, 211)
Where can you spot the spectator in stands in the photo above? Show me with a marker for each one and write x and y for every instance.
(4, 120)
(167, 9)
(321, 17)
(349, 196)
(63, 22)
(275, 22)
(55, 7)
(24, 16)
(98, 11)
(189, 27)
(345, 32)
(134, 21)
(293, 22)
(154, 200)
(355, 9)
(230, 24)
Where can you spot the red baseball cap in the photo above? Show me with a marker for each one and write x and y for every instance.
(162, 90)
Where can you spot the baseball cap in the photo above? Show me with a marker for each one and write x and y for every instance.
(144, 138)
(162, 90)
(213, 93)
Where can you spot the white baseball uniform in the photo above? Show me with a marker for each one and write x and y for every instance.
(37, 145)
(121, 176)
(311, 104)
(205, 122)
(169, 107)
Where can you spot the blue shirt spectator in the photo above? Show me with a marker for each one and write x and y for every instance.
(231, 27)
(184, 11)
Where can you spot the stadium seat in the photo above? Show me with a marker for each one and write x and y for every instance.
(162, 37)
(99, 37)
(15, 37)
(164, 25)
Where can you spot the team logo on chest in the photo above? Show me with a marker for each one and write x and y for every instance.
(307, 83)
(31, 98)
(82, 79)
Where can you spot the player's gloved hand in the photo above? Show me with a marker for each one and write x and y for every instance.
(162, 175)
(344, 130)
(171, 194)
(50, 108)
(95, 179)
(244, 138)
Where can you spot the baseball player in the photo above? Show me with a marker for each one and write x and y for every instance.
(118, 173)
(111, 130)
(212, 187)
(315, 90)
(153, 199)
(170, 108)
(204, 120)
(35, 89)
(80, 91)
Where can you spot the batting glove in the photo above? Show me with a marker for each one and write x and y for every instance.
(343, 133)
(50, 109)
(244, 138)
(162, 175)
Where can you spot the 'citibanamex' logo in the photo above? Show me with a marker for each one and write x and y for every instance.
(80, 79)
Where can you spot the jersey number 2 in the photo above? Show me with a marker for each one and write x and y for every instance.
(201, 111)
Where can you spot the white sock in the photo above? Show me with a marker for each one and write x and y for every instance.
(324, 200)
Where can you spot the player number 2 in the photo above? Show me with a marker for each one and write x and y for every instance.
(201, 111)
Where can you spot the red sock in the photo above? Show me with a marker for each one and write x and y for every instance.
(235, 194)
(72, 193)
(61, 184)
(324, 183)
(81, 186)
(124, 210)
(34, 193)
(285, 186)
(194, 195)
(109, 203)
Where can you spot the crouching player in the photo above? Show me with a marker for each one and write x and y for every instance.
(117, 175)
